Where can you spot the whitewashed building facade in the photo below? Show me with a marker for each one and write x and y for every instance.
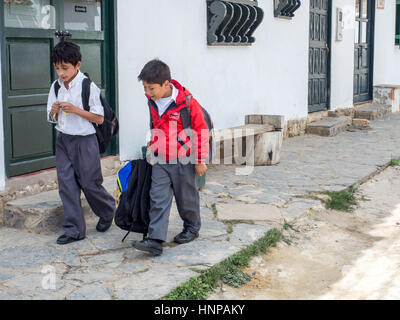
(326, 55)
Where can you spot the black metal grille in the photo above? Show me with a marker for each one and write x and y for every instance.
(232, 22)
(286, 8)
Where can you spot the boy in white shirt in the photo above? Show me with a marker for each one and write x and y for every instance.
(77, 150)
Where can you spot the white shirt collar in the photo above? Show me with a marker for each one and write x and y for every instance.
(75, 81)
(175, 92)
(164, 103)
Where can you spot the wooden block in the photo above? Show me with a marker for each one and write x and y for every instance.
(277, 121)
(253, 119)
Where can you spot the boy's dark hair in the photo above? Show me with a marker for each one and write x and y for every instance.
(155, 71)
(66, 52)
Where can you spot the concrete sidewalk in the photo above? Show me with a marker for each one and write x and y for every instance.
(32, 266)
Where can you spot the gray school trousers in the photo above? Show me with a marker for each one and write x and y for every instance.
(168, 180)
(79, 168)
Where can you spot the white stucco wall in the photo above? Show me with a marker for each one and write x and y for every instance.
(387, 55)
(269, 77)
(342, 57)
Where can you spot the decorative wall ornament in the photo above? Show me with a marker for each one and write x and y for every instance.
(232, 22)
(286, 8)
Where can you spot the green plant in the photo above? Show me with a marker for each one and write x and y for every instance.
(394, 162)
(287, 226)
(214, 209)
(287, 241)
(342, 200)
(228, 271)
(235, 277)
(230, 223)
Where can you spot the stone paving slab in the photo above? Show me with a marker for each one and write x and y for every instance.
(42, 213)
(102, 267)
(330, 126)
(329, 122)
(373, 112)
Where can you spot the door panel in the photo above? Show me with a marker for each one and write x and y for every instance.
(92, 58)
(324, 93)
(319, 57)
(364, 84)
(25, 75)
(29, 139)
(37, 136)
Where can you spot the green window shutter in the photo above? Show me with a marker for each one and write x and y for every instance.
(397, 37)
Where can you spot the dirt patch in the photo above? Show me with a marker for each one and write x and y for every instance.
(330, 254)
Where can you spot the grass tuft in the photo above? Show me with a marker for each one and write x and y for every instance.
(235, 278)
(342, 200)
(228, 271)
(287, 226)
(214, 210)
(394, 162)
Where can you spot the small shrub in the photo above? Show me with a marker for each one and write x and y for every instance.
(342, 200)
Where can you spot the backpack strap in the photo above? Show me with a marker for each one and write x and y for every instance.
(86, 83)
(87, 75)
(86, 93)
(151, 119)
(185, 113)
(57, 88)
(188, 100)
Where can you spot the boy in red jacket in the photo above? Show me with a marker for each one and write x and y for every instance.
(178, 156)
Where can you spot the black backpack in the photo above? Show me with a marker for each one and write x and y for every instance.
(187, 123)
(109, 128)
(132, 213)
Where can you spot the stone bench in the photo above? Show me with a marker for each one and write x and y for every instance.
(387, 95)
(258, 142)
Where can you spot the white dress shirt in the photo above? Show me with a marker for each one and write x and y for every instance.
(164, 103)
(73, 124)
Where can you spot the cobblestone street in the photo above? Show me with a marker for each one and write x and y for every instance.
(32, 266)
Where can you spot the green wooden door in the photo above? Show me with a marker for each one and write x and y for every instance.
(363, 50)
(28, 38)
(319, 56)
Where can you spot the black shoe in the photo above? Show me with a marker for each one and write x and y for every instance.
(149, 245)
(103, 226)
(186, 236)
(64, 239)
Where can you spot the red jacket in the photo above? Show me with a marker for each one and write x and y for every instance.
(169, 139)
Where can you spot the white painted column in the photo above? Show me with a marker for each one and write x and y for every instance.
(342, 57)
(387, 54)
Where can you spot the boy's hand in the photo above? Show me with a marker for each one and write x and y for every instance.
(200, 169)
(54, 109)
(67, 107)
